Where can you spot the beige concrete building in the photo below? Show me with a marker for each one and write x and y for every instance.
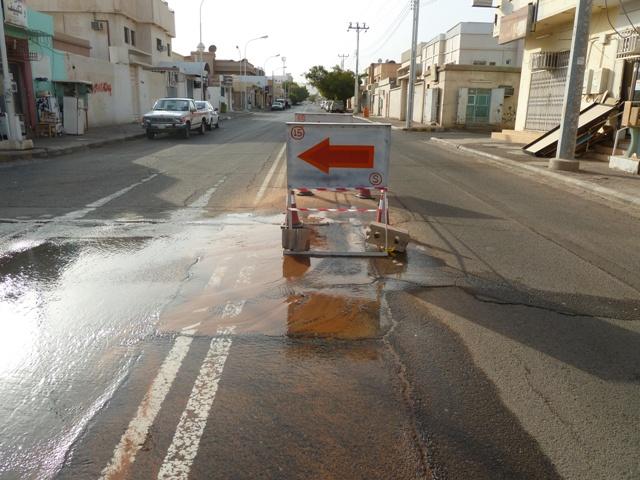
(380, 78)
(612, 62)
(113, 46)
(464, 78)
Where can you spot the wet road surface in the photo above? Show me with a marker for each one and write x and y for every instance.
(153, 329)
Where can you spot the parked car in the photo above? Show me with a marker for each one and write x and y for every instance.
(337, 106)
(277, 105)
(211, 117)
(174, 115)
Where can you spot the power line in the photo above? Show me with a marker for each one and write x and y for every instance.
(390, 32)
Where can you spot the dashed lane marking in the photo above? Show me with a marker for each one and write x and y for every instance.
(125, 452)
(186, 441)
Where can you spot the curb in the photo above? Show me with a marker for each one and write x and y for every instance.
(604, 192)
(59, 151)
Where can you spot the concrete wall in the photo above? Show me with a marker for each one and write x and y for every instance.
(418, 102)
(49, 63)
(396, 100)
(75, 18)
(455, 77)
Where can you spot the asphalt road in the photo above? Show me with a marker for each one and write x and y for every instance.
(151, 327)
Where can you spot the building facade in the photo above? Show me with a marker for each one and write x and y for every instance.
(103, 58)
(464, 78)
(545, 27)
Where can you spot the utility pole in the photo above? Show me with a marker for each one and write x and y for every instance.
(358, 28)
(342, 57)
(565, 154)
(284, 79)
(12, 135)
(415, 4)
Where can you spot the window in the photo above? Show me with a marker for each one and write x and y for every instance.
(133, 38)
(159, 46)
(168, 49)
(126, 35)
(492, 63)
(479, 62)
(508, 62)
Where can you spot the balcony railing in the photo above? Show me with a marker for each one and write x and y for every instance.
(550, 60)
(628, 45)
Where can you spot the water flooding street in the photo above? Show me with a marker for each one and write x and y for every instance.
(152, 328)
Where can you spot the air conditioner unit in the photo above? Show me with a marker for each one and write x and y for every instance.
(96, 25)
(161, 48)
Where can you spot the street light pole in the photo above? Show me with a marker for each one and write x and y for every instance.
(201, 45)
(245, 66)
(284, 79)
(264, 70)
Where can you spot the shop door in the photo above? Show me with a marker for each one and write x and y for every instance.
(478, 103)
(546, 96)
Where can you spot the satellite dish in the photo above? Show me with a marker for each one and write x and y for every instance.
(212, 49)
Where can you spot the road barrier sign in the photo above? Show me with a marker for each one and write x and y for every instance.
(349, 154)
(329, 155)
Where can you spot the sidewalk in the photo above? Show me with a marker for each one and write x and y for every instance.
(594, 176)
(46, 147)
(95, 137)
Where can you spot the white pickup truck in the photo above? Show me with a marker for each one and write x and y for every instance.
(174, 115)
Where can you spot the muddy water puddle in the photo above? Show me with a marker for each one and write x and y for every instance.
(248, 284)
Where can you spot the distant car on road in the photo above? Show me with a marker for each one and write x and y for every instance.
(211, 117)
(337, 106)
(277, 106)
(174, 115)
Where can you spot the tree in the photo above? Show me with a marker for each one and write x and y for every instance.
(298, 93)
(336, 84)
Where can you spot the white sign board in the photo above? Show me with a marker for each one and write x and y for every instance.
(15, 12)
(334, 155)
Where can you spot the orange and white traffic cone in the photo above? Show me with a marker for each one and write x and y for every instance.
(382, 213)
(364, 193)
(295, 218)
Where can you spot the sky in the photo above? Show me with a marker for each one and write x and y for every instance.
(310, 33)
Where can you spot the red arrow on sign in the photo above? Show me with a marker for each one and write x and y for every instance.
(324, 156)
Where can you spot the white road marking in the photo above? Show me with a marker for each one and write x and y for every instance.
(103, 201)
(246, 272)
(125, 452)
(191, 327)
(217, 276)
(203, 200)
(267, 179)
(186, 441)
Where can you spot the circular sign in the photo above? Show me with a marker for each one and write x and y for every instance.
(297, 132)
(375, 179)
